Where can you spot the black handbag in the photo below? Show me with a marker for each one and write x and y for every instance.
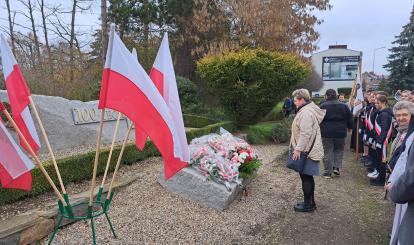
(299, 164)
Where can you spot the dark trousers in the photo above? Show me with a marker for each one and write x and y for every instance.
(373, 157)
(380, 166)
(334, 151)
(308, 187)
(354, 136)
(287, 112)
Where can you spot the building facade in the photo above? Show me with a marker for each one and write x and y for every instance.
(337, 66)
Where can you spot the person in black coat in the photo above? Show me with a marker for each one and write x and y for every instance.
(337, 121)
(383, 129)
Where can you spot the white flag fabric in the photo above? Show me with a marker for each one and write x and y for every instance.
(127, 88)
(163, 76)
(18, 93)
(359, 99)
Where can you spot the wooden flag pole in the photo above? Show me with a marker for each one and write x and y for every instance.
(357, 140)
(42, 129)
(118, 162)
(37, 161)
(112, 148)
(95, 165)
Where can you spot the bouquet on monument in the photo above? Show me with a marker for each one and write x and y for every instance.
(224, 158)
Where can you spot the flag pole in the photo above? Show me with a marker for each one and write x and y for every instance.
(357, 126)
(95, 165)
(37, 161)
(112, 148)
(108, 197)
(98, 144)
(357, 140)
(42, 129)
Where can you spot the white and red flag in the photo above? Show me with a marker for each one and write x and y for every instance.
(140, 136)
(15, 166)
(18, 93)
(127, 88)
(163, 76)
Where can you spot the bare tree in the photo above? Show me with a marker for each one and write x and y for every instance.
(30, 8)
(11, 25)
(104, 27)
(72, 38)
(42, 11)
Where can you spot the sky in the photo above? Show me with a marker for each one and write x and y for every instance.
(364, 25)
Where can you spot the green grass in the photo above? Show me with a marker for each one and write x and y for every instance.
(275, 114)
(260, 133)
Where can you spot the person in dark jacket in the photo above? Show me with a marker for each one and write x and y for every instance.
(383, 129)
(372, 155)
(287, 106)
(334, 127)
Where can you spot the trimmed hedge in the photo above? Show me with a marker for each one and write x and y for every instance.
(80, 167)
(194, 121)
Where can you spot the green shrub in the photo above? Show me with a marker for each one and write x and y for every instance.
(275, 114)
(79, 167)
(346, 91)
(189, 95)
(280, 133)
(249, 83)
(282, 130)
(193, 121)
(260, 133)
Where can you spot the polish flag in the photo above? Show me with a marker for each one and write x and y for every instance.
(127, 88)
(140, 136)
(15, 166)
(163, 76)
(18, 96)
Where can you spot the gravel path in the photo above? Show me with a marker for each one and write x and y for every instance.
(144, 213)
(349, 210)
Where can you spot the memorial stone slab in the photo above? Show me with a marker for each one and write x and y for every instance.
(72, 123)
(190, 184)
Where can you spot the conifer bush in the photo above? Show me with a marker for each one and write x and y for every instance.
(250, 82)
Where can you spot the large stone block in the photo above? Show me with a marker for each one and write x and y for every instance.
(41, 229)
(72, 123)
(190, 184)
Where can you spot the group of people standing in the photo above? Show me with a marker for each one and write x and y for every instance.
(387, 135)
(385, 138)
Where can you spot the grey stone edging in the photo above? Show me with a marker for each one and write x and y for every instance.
(35, 224)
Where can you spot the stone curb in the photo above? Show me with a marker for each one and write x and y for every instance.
(35, 224)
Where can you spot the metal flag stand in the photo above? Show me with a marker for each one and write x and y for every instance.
(99, 208)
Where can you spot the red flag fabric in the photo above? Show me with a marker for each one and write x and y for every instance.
(15, 166)
(163, 76)
(18, 93)
(127, 88)
(23, 182)
(140, 136)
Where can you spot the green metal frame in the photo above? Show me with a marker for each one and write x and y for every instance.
(67, 212)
